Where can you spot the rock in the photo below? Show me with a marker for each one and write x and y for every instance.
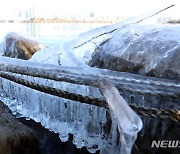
(141, 49)
(17, 46)
(15, 138)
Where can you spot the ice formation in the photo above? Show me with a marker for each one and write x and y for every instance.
(85, 122)
(129, 123)
(16, 45)
(80, 48)
(89, 124)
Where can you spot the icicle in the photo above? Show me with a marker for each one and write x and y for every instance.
(112, 144)
(129, 123)
(61, 115)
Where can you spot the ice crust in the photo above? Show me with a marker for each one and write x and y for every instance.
(85, 122)
(91, 126)
(129, 123)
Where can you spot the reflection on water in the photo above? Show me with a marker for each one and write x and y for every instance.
(49, 29)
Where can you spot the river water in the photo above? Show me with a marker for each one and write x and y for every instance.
(48, 30)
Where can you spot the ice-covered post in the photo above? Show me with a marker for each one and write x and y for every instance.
(129, 123)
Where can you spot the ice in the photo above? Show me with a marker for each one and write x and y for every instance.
(10, 43)
(49, 55)
(68, 57)
(77, 50)
(88, 123)
(86, 43)
(63, 116)
(129, 123)
(58, 53)
(54, 49)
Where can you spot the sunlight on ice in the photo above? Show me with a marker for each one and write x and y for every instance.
(87, 123)
(129, 123)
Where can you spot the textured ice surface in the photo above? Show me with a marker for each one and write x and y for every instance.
(20, 46)
(90, 125)
(78, 50)
(129, 123)
(54, 49)
(63, 116)
(142, 49)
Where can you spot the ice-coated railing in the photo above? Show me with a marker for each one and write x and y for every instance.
(133, 84)
(91, 125)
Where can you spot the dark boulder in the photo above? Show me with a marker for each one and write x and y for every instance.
(17, 46)
(15, 138)
(146, 50)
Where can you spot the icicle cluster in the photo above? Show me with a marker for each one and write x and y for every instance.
(89, 124)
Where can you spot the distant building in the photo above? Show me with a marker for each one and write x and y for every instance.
(92, 14)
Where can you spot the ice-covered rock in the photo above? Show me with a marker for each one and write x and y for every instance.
(48, 55)
(141, 49)
(77, 50)
(89, 124)
(18, 46)
(58, 52)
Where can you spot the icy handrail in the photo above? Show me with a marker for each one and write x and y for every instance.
(6, 62)
(129, 123)
(89, 78)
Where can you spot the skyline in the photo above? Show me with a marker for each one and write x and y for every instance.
(83, 8)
